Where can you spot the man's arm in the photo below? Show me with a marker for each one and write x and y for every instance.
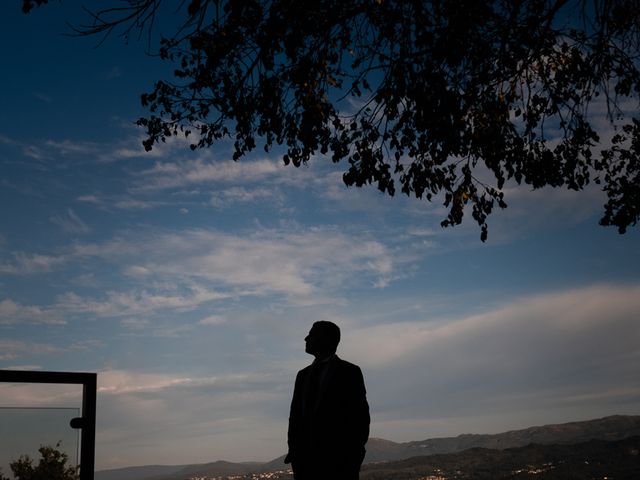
(295, 412)
(361, 409)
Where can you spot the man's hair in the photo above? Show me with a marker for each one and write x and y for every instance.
(329, 331)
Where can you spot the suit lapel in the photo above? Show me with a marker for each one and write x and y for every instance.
(306, 387)
(325, 382)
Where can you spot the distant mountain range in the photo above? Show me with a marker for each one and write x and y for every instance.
(611, 429)
(594, 459)
(615, 427)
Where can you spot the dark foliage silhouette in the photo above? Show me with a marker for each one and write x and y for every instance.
(445, 100)
(53, 465)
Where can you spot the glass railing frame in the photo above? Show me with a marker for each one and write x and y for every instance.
(86, 423)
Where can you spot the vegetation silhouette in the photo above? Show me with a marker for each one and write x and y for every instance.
(447, 100)
(53, 465)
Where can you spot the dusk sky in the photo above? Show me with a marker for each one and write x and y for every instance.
(188, 281)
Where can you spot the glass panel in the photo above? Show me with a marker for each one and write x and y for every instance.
(25, 427)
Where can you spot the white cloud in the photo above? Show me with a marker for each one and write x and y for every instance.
(554, 315)
(555, 352)
(117, 304)
(119, 382)
(27, 264)
(22, 367)
(189, 269)
(294, 263)
(89, 199)
(40, 395)
(135, 204)
(235, 195)
(13, 349)
(168, 175)
(137, 271)
(212, 320)
(14, 313)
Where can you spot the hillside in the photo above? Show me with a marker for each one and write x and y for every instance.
(611, 429)
(614, 427)
(587, 460)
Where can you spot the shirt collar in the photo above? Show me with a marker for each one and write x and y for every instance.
(317, 361)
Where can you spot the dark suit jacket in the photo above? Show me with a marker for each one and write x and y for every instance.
(328, 434)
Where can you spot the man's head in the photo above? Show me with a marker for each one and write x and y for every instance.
(323, 339)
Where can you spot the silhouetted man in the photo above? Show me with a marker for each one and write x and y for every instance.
(329, 419)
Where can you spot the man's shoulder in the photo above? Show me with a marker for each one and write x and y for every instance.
(343, 364)
(337, 362)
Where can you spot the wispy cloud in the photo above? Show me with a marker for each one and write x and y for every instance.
(32, 263)
(71, 223)
(234, 195)
(118, 382)
(200, 273)
(529, 210)
(89, 199)
(42, 97)
(130, 146)
(12, 349)
(87, 345)
(5, 140)
(121, 202)
(515, 329)
(67, 146)
(33, 395)
(12, 312)
(169, 175)
(212, 320)
(33, 151)
(135, 204)
(543, 352)
(22, 366)
(118, 304)
(206, 413)
(295, 263)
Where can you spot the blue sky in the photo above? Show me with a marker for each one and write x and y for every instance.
(188, 281)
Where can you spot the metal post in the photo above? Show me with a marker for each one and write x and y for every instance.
(88, 420)
(88, 435)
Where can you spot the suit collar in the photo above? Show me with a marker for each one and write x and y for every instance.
(324, 360)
